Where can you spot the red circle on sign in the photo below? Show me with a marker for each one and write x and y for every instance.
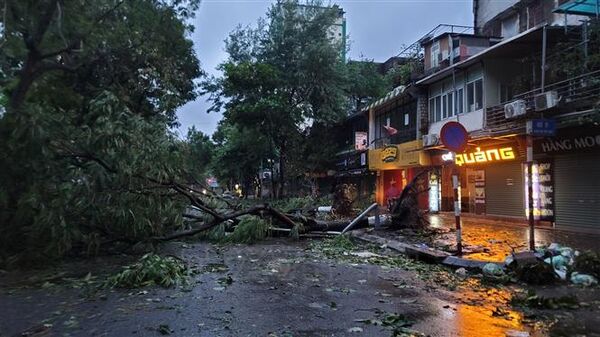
(454, 136)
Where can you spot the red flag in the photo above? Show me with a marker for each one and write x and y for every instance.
(390, 130)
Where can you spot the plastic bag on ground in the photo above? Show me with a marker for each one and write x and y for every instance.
(492, 270)
(583, 279)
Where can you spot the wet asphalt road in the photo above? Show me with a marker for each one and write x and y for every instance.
(279, 288)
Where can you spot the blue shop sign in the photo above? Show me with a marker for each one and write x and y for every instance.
(541, 127)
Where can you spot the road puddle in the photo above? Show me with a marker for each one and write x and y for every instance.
(478, 311)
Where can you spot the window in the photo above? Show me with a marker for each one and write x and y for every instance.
(506, 93)
(438, 108)
(474, 95)
(459, 101)
(432, 109)
(452, 102)
(448, 109)
(406, 119)
(444, 106)
(435, 51)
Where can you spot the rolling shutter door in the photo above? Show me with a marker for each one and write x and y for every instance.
(577, 192)
(504, 190)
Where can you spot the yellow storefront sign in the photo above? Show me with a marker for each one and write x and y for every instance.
(393, 157)
(480, 157)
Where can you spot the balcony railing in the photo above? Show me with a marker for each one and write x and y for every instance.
(575, 94)
(401, 137)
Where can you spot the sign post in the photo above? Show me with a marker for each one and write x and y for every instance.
(543, 128)
(454, 136)
(530, 192)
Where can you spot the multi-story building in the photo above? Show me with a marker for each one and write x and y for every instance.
(526, 67)
(541, 73)
(395, 153)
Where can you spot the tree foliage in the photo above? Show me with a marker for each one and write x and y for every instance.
(91, 91)
(365, 83)
(282, 76)
(201, 151)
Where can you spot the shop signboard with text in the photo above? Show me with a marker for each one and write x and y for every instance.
(396, 156)
(480, 156)
(543, 190)
(569, 141)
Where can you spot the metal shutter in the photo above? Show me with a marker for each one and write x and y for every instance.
(504, 190)
(577, 192)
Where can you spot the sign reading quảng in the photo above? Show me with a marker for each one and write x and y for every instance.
(485, 156)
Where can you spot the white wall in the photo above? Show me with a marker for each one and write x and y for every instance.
(472, 121)
(371, 135)
(488, 9)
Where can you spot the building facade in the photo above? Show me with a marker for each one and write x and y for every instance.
(521, 87)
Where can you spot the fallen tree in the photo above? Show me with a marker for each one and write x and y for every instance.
(405, 213)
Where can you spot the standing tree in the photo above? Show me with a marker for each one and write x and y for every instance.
(365, 83)
(200, 154)
(282, 76)
(92, 88)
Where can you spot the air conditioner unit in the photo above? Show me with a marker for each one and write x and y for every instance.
(546, 100)
(514, 109)
(430, 140)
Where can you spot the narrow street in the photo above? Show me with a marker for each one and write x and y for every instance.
(278, 288)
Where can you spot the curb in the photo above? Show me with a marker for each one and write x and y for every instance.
(420, 253)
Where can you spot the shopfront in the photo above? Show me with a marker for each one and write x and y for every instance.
(352, 169)
(395, 166)
(491, 180)
(568, 181)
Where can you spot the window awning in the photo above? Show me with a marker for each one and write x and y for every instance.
(580, 7)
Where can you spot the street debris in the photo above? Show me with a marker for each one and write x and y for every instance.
(588, 263)
(531, 300)
(461, 272)
(583, 279)
(149, 270)
(493, 272)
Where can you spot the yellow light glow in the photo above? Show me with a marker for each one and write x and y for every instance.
(501, 154)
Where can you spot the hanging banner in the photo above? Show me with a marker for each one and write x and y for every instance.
(361, 140)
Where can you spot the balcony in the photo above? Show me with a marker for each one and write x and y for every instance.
(403, 135)
(576, 95)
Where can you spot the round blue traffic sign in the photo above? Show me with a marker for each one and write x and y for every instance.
(454, 136)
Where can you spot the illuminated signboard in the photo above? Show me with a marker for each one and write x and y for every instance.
(486, 156)
(389, 154)
(543, 191)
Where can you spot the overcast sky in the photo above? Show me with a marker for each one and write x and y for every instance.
(376, 28)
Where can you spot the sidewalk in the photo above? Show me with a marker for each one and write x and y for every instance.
(492, 240)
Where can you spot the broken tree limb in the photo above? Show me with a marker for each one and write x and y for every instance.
(359, 217)
(280, 216)
(209, 225)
